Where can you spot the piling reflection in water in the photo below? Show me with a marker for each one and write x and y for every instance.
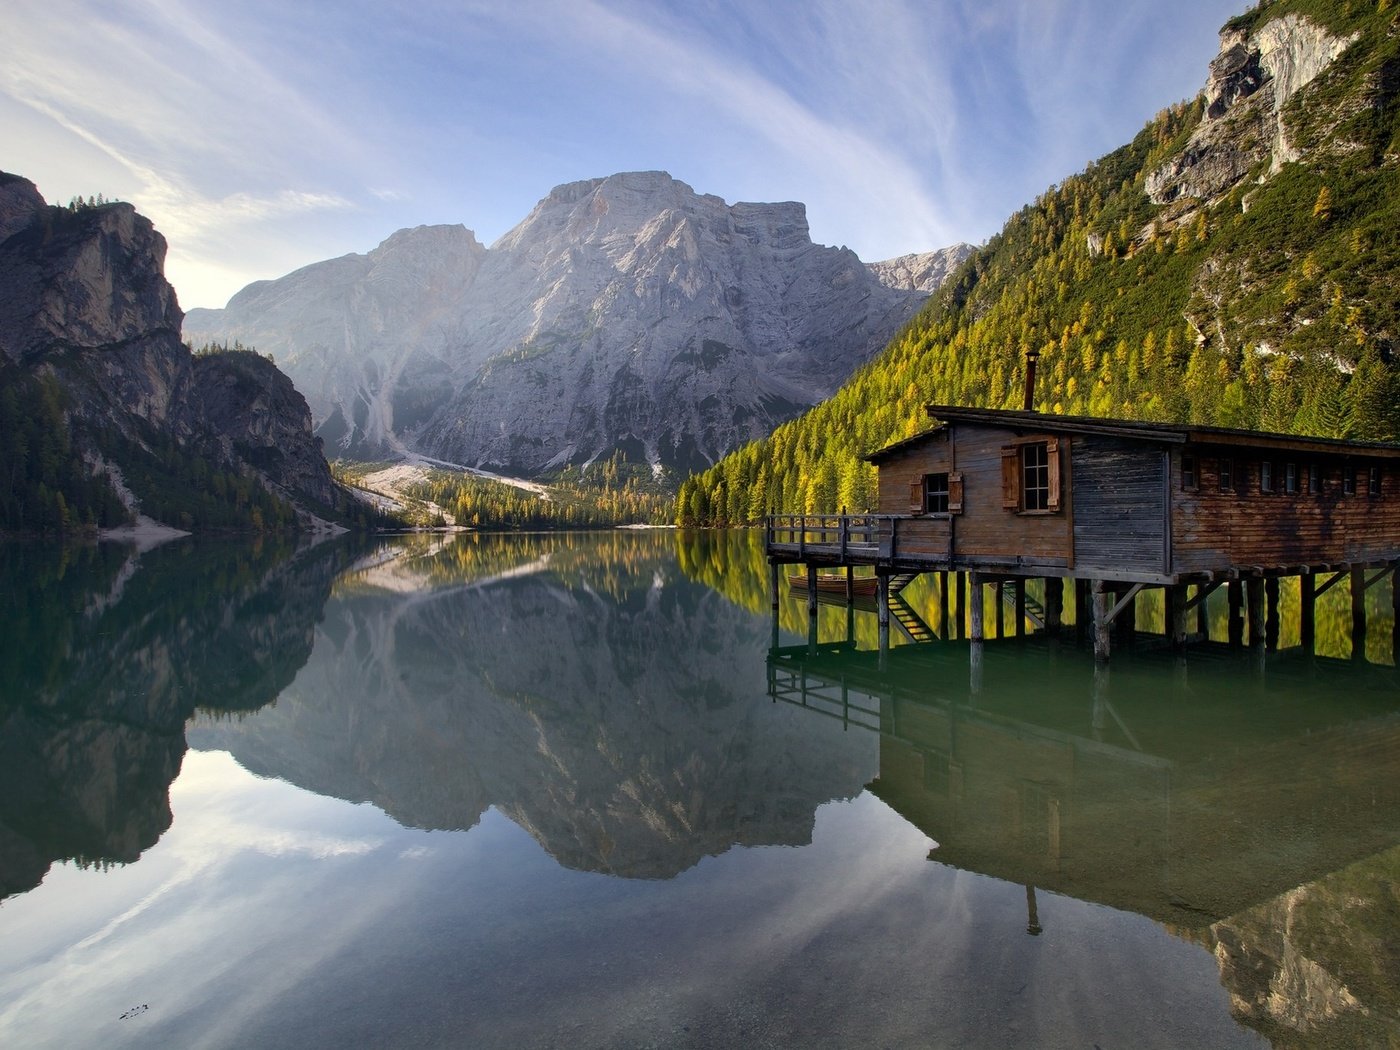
(1256, 812)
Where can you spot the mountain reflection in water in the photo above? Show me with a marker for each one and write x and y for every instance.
(625, 701)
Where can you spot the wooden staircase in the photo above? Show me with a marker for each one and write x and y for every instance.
(1035, 612)
(903, 580)
(908, 621)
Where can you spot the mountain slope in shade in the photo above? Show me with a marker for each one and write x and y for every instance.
(623, 313)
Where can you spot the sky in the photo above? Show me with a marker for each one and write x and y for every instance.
(262, 135)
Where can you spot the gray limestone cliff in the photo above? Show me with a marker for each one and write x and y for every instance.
(1251, 81)
(622, 313)
(921, 272)
(84, 302)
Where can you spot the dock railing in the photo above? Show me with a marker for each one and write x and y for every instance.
(839, 534)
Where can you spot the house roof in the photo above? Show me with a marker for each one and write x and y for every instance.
(1148, 433)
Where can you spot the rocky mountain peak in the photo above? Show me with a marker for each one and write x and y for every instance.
(1251, 80)
(923, 271)
(627, 312)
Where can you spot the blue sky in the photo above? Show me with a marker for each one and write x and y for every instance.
(262, 136)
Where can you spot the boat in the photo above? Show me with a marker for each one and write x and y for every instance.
(833, 583)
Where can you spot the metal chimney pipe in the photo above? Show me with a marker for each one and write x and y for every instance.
(1032, 355)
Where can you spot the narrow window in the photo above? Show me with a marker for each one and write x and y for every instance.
(1290, 478)
(1188, 471)
(1035, 477)
(1314, 478)
(1373, 481)
(1266, 476)
(936, 493)
(1348, 480)
(1227, 474)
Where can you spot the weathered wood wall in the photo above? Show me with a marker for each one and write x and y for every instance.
(1120, 516)
(1213, 529)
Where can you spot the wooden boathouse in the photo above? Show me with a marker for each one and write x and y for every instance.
(1116, 506)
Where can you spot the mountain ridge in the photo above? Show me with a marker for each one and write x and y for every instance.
(622, 313)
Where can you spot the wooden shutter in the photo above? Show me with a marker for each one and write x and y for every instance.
(1011, 477)
(1052, 456)
(916, 496)
(955, 493)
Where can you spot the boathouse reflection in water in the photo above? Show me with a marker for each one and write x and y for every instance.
(1253, 811)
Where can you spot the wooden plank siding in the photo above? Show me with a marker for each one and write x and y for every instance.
(1120, 519)
(1214, 529)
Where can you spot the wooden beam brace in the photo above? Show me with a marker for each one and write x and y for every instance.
(1378, 577)
(1112, 614)
(1202, 593)
(1324, 588)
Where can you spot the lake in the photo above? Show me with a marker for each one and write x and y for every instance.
(585, 790)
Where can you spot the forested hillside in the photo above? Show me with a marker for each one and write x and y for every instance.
(1237, 264)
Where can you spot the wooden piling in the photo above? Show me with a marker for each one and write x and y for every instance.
(1307, 610)
(1271, 617)
(944, 633)
(999, 602)
(1358, 613)
(1202, 619)
(773, 577)
(1101, 599)
(1054, 604)
(811, 590)
(882, 608)
(974, 583)
(1235, 592)
(1020, 592)
(1081, 609)
(1176, 616)
(960, 605)
(1254, 589)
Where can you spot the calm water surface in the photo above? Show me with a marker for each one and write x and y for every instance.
(581, 791)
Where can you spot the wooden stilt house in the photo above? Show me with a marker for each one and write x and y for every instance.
(1121, 505)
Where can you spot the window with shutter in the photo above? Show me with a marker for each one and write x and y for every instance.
(916, 496)
(955, 493)
(1052, 496)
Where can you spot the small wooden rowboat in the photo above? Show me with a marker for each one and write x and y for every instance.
(833, 583)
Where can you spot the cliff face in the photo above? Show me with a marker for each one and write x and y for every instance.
(84, 304)
(623, 313)
(1251, 81)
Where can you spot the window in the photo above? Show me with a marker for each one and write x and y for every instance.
(1266, 476)
(1188, 471)
(1030, 476)
(1348, 480)
(1227, 474)
(1373, 481)
(1314, 479)
(1290, 478)
(939, 493)
(936, 493)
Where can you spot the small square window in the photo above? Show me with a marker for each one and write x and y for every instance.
(936, 493)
